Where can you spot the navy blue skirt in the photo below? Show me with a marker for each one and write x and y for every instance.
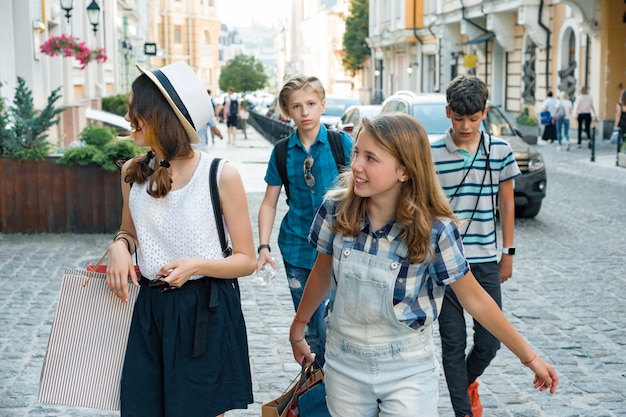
(187, 352)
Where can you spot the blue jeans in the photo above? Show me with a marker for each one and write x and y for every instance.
(562, 125)
(460, 370)
(315, 332)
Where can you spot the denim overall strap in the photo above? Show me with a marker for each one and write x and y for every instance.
(362, 309)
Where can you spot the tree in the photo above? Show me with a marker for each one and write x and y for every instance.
(243, 73)
(23, 129)
(357, 28)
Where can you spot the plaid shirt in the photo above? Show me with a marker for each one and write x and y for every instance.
(304, 201)
(419, 288)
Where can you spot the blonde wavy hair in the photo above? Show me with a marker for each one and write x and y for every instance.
(421, 201)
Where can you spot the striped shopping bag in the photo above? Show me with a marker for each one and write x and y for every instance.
(85, 353)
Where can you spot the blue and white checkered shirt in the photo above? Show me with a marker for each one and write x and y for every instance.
(419, 288)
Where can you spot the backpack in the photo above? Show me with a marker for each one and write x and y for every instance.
(233, 107)
(560, 111)
(280, 153)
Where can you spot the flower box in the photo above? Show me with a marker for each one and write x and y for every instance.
(43, 197)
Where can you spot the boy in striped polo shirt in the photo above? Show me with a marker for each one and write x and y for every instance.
(474, 170)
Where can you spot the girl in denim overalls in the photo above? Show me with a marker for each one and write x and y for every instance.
(388, 244)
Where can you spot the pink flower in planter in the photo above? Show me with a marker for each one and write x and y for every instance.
(69, 46)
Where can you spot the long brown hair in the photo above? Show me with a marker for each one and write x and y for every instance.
(164, 133)
(421, 201)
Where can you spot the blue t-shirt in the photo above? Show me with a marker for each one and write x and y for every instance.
(303, 200)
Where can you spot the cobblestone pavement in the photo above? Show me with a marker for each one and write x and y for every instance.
(566, 298)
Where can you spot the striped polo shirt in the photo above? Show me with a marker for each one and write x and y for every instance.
(471, 183)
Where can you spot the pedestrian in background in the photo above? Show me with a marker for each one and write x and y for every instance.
(388, 246)
(620, 114)
(311, 171)
(244, 114)
(549, 130)
(562, 114)
(187, 352)
(584, 110)
(232, 107)
(211, 126)
(473, 168)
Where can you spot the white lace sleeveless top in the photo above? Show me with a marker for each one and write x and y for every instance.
(179, 225)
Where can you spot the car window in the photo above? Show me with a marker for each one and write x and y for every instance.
(496, 124)
(336, 106)
(345, 119)
(432, 116)
(396, 106)
(354, 117)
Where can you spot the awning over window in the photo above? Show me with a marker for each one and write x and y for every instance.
(480, 39)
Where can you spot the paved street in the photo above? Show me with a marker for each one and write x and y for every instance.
(566, 297)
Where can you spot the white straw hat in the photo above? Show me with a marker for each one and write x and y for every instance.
(186, 94)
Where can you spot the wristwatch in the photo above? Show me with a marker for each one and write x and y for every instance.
(509, 251)
(263, 246)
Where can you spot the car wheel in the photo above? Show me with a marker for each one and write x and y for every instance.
(528, 211)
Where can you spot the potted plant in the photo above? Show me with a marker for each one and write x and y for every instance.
(38, 194)
(528, 127)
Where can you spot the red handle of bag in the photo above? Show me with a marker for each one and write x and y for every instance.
(101, 269)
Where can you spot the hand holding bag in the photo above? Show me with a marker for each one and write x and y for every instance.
(310, 395)
(545, 117)
(306, 397)
(83, 362)
(615, 136)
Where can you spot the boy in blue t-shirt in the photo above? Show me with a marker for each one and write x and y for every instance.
(311, 170)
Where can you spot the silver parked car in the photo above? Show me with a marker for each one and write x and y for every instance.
(352, 117)
(335, 106)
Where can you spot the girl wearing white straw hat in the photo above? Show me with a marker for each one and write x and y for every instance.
(187, 351)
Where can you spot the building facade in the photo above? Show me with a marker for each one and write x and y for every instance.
(315, 44)
(148, 32)
(521, 48)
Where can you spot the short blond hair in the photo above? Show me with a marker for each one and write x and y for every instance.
(295, 83)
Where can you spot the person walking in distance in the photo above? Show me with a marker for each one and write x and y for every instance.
(584, 110)
(244, 115)
(620, 114)
(187, 352)
(561, 116)
(388, 245)
(210, 126)
(474, 169)
(231, 109)
(549, 130)
(309, 169)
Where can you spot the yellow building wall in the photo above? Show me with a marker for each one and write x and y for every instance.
(613, 55)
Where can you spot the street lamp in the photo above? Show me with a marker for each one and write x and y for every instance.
(67, 5)
(93, 13)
